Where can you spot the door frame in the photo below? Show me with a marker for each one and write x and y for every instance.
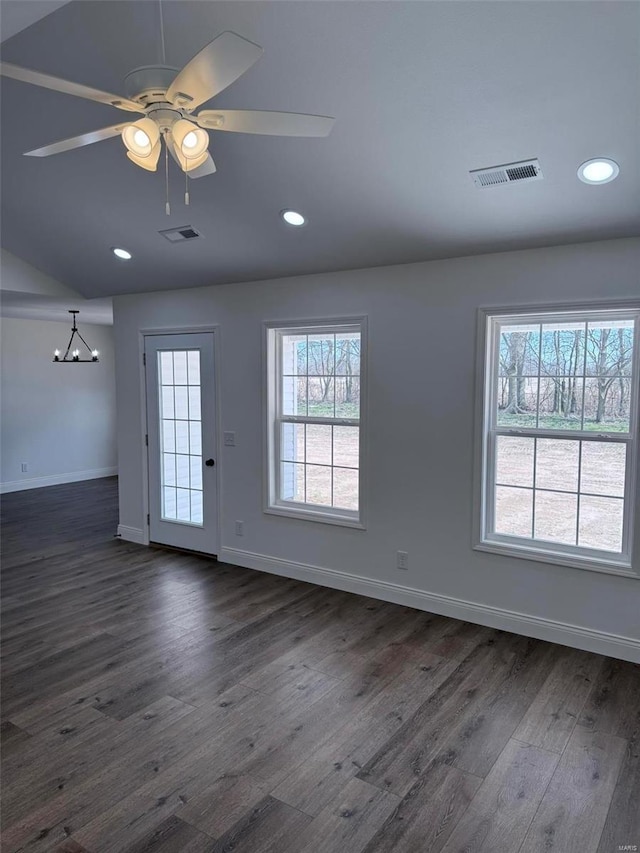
(144, 450)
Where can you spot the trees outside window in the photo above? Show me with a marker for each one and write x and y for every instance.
(314, 424)
(560, 433)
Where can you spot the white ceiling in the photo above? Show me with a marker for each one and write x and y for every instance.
(17, 15)
(422, 93)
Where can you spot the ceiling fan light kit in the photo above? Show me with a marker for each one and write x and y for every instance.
(187, 164)
(150, 162)
(166, 99)
(190, 140)
(141, 137)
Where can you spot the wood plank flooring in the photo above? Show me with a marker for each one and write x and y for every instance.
(157, 702)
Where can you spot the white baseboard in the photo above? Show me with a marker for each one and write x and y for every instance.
(626, 648)
(56, 480)
(132, 534)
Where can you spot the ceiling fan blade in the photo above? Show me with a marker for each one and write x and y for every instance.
(59, 85)
(217, 65)
(266, 122)
(77, 141)
(207, 168)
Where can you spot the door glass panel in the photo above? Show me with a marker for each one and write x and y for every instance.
(193, 358)
(184, 505)
(179, 368)
(169, 469)
(195, 438)
(167, 401)
(169, 502)
(196, 507)
(194, 403)
(182, 471)
(180, 394)
(166, 368)
(181, 436)
(169, 435)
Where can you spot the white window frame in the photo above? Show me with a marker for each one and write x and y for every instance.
(273, 504)
(487, 430)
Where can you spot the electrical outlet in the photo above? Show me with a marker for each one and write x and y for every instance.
(25, 467)
(403, 560)
(229, 439)
(239, 528)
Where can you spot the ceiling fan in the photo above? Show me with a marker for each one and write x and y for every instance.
(166, 98)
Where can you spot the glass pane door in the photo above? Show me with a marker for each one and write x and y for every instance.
(181, 439)
(180, 436)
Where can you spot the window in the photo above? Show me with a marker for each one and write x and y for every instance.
(180, 435)
(559, 436)
(314, 426)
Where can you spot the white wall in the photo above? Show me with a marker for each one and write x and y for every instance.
(422, 339)
(58, 418)
(19, 276)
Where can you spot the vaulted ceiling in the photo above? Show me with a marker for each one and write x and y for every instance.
(422, 92)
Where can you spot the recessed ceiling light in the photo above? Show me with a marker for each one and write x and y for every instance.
(292, 217)
(122, 254)
(598, 171)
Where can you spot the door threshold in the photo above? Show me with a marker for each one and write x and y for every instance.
(160, 546)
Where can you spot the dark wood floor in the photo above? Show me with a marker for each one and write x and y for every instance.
(155, 702)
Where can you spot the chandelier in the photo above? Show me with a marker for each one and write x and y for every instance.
(75, 353)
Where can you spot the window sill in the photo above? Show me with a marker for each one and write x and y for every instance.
(312, 515)
(610, 567)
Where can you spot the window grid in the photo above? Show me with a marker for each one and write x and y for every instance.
(621, 433)
(180, 436)
(579, 492)
(332, 463)
(583, 377)
(312, 386)
(535, 488)
(586, 376)
(533, 493)
(560, 491)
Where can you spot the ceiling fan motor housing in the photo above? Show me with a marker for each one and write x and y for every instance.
(149, 84)
(164, 116)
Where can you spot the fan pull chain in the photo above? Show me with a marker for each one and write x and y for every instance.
(186, 188)
(167, 207)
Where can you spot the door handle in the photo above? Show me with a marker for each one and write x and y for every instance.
(210, 463)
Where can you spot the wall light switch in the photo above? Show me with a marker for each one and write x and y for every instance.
(229, 439)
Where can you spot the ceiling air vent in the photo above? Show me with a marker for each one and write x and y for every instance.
(179, 235)
(527, 170)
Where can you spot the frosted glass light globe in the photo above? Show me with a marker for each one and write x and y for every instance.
(190, 140)
(141, 138)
